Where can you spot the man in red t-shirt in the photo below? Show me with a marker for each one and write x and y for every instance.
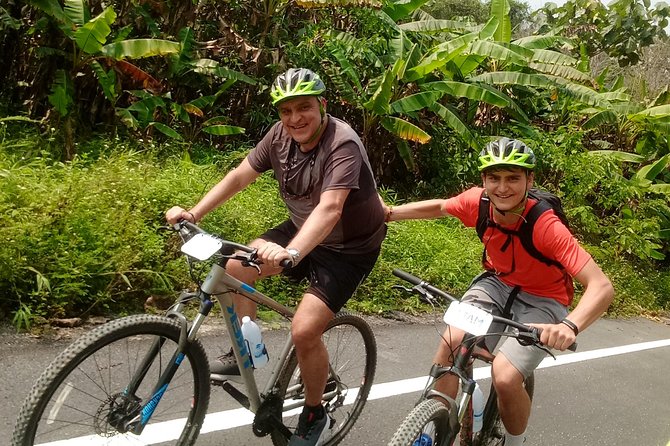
(546, 291)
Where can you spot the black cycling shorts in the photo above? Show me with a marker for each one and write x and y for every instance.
(333, 276)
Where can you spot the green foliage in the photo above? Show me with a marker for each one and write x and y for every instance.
(22, 317)
(621, 29)
(424, 83)
(473, 10)
(611, 204)
(82, 236)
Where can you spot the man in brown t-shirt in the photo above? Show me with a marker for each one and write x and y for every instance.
(334, 233)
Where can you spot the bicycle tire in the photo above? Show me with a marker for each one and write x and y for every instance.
(493, 431)
(67, 401)
(429, 417)
(352, 352)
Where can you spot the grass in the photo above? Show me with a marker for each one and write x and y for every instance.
(81, 239)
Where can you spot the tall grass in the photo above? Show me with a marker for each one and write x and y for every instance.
(81, 238)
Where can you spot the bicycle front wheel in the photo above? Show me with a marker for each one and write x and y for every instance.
(83, 398)
(352, 352)
(426, 424)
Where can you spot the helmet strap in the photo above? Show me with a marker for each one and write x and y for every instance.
(518, 210)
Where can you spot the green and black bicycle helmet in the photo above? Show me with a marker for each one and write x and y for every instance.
(296, 82)
(506, 152)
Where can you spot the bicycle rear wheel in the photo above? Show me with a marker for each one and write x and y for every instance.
(493, 431)
(352, 352)
(426, 424)
(81, 395)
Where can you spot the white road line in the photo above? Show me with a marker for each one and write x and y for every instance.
(229, 419)
(385, 390)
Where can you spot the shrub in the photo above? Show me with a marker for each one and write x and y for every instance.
(81, 237)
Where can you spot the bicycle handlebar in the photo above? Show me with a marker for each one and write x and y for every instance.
(417, 282)
(186, 229)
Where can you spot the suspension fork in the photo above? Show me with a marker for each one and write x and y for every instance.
(137, 423)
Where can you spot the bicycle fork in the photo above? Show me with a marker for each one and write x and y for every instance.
(132, 416)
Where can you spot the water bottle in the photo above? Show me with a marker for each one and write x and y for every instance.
(478, 404)
(254, 340)
(423, 440)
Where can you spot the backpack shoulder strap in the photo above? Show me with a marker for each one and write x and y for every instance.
(527, 229)
(483, 215)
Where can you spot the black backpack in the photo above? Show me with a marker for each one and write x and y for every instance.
(545, 201)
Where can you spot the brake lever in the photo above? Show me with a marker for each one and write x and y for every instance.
(251, 260)
(532, 338)
(402, 288)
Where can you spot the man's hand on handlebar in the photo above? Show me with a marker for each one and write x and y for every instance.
(557, 336)
(273, 254)
(176, 214)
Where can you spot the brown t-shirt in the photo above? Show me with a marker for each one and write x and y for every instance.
(338, 162)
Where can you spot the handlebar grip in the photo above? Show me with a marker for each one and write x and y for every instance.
(572, 348)
(406, 276)
(286, 263)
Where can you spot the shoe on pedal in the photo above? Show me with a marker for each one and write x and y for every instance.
(224, 368)
(312, 429)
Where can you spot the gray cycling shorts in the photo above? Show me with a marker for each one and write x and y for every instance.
(490, 294)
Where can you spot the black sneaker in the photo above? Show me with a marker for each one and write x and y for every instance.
(310, 432)
(224, 368)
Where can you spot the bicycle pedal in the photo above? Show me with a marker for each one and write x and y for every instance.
(220, 380)
(330, 386)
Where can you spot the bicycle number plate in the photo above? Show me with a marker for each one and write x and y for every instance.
(201, 246)
(468, 318)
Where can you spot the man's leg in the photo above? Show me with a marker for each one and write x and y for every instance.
(452, 338)
(308, 325)
(225, 366)
(513, 402)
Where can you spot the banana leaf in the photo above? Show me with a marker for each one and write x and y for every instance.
(167, 131)
(415, 102)
(500, 10)
(93, 35)
(140, 48)
(544, 42)
(469, 91)
(437, 26)
(605, 117)
(223, 130)
(77, 11)
(404, 130)
(452, 119)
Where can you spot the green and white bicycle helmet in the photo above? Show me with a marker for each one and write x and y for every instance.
(296, 82)
(506, 152)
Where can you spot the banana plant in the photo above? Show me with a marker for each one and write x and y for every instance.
(91, 40)
(109, 56)
(496, 68)
(89, 47)
(391, 99)
(186, 120)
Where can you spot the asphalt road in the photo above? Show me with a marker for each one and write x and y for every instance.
(604, 394)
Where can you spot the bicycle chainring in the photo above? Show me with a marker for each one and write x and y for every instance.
(268, 416)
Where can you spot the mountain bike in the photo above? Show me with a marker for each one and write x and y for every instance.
(439, 420)
(145, 379)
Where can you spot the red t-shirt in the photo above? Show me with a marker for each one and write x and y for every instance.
(513, 264)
